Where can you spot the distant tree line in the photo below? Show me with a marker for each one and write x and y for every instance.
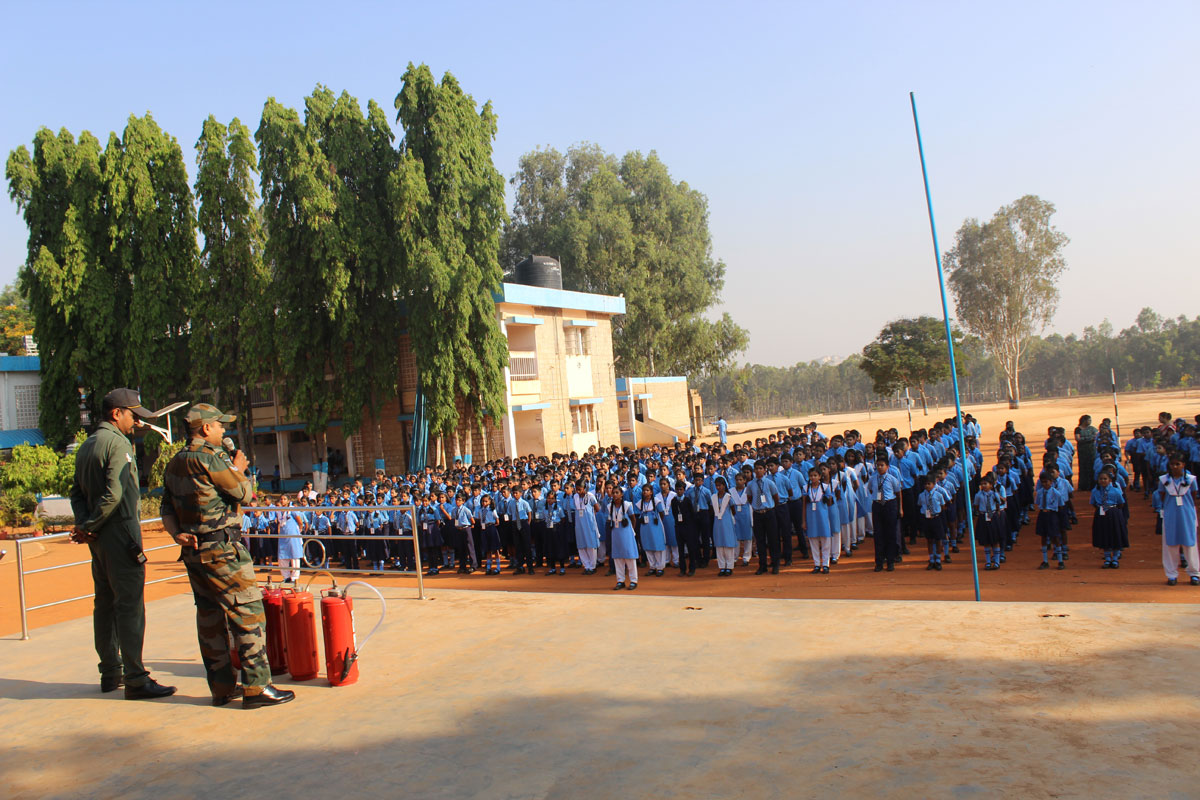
(1153, 353)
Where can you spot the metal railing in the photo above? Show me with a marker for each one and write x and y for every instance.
(22, 572)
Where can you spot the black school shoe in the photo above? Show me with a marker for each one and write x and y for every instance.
(632, 586)
(879, 567)
(1171, 581)
(620, 585)
(150, 690)
(111, 684)
(270, 696)
(891, 568)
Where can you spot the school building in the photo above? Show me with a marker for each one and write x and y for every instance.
(20, 381)
(562, 395)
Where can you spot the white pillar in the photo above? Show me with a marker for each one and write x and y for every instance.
(632, 414)
(510, 428)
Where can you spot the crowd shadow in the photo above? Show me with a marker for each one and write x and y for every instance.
(1040, 722)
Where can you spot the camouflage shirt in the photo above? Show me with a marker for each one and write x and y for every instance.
(202, 490)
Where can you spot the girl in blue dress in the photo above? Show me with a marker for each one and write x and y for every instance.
(650, 528)
(724, 535)
(743, 524)
(1176, 495)
(587, 533)
(664, 501)
(1110, 533)
(816, 521)
(491, 535)
(624, 540)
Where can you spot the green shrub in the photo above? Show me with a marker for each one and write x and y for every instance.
(31, 470)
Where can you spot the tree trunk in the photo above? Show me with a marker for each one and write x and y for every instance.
(924, 399)
(1014, 397)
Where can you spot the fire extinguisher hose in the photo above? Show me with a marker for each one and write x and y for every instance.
(382, 614)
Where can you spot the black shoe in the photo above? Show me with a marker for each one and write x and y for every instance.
(691, 572)
(1045, 565)
(787, 562)
(1061, 565)
(620, 585)
(761, 571)
(775, 570)
(879, 567)
(891, 568)
(225, 700)
(946, 560)
(937, 565)
(150, 690)
(954, 549)
(1171, 581)
(632, 586)
(824, 570)
(1194, 581)
(270, 696)
(930, 567)
(1115, 565)
(111, 684)
(816, 570)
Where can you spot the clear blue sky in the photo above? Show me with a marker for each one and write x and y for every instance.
(792, 118)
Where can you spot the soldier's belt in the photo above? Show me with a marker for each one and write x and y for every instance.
(230, 534)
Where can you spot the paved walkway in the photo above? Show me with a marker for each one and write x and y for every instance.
(498, 695)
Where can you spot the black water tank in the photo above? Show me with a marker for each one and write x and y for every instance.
(541, 271)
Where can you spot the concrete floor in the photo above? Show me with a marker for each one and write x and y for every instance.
(498, 695)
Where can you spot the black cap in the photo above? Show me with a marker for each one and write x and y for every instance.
(126, 398)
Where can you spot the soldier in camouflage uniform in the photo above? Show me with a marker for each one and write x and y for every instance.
(201, 508)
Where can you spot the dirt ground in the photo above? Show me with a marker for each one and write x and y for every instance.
(1140, 578)
(508, 695)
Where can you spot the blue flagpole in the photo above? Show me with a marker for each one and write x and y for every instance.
(962, 441)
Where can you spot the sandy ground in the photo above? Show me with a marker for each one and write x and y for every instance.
(507, 695)
(1140, 578)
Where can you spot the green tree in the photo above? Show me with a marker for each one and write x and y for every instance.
(76, 296)
(232, 331)
(309, 283)
(448, 200)
(16, 321)
(625, 227)
(908, 353)
(153, 239)
(1004, 274)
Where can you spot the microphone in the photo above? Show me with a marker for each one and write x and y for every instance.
(229, 446)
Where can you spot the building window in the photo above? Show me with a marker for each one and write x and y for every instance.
(583, 419)
(408, 365)
(26, 404)
(579, 342)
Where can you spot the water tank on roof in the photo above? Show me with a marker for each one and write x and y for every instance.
(541, 271)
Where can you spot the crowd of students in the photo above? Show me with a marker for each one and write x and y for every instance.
(795, 492)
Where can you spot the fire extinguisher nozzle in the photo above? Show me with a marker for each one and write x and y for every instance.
(349, 662)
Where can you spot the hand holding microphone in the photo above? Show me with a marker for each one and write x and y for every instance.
(237, 456)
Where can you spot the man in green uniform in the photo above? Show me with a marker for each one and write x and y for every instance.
(201, 508)
(104, 499)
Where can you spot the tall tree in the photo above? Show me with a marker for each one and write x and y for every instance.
(626, 227)
(153, 231)
(77, 301)
(309, 283)
(449, 207)
(1004, 274)
(232, 330)
(908, 353)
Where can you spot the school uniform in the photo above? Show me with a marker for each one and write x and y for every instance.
(624, 542)
(885, 491)
(687, 533)
(764, 496)
(290, 546)
(701, 499)
(743, 525)
(522, 535)
(587, 533)
(930, 505)
(816, 523)
(651, 533)
(666, 513)
(1048, 501)
(1110, 531)
(783, 516)
(1178, 501)
(724, 536)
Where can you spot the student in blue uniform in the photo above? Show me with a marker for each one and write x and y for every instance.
(930, 504)
(816, 522)
(724, 536)
(764, 496)
(650, 529)
(722, 430)
(664, 501)
(463, 522)
(1047, 501)
(490, 522)
(587, 533)
(1110, 532)
(522, 536)
(1176, 494)
(687, 530)
(991, 525)
(624, 540)
(743, 525)
(884, 489)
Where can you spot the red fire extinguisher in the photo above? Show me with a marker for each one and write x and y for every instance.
(300, 625)
(276, 631)
(337, 622)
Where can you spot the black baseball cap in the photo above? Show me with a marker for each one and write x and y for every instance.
(127, 398)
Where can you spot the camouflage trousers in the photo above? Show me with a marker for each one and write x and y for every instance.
(229, 614)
